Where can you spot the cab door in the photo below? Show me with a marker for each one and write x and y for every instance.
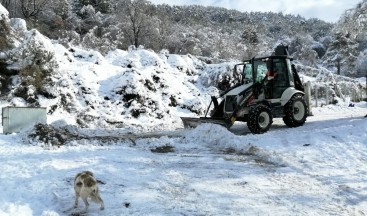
(281, 80)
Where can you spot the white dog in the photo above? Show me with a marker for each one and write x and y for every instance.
(85, 185)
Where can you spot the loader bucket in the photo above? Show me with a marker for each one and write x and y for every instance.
(194, 122)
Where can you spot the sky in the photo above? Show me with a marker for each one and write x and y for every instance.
(327, 10)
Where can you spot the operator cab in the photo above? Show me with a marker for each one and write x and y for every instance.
(273, 72)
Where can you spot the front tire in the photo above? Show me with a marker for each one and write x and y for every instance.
(259, 119)
(295, 111)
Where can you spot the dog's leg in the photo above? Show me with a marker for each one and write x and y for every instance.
(85, 202)
(76, 200)
(101, 201)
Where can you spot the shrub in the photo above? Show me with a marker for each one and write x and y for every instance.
(4, 31)
(33, 75)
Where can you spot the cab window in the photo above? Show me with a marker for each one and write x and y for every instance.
(248, 73)
(261, 70)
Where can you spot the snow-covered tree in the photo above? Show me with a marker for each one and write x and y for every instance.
(31, 9)
(138, 21)
(348, 41)
(207, 31)
(342, 54)
(361, 66)
(27, 54)
(4, 29)
(303, 48)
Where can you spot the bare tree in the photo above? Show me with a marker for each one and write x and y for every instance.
(250, 38)
(140, 20)
(32, 8)
(165, 31)
(6, 3)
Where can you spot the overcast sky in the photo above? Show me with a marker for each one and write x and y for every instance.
(328, 10)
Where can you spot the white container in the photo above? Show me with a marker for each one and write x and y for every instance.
(14, 119)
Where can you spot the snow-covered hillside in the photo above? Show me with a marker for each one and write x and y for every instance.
(138, 89)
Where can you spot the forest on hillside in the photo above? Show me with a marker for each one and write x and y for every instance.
(215, 34)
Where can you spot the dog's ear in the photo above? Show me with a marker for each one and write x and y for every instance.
(77, 175)
(88, 173)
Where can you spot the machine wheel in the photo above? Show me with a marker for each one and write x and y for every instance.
(295, 111)
(259, 119)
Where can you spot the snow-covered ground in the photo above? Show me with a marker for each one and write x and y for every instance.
(317, 169)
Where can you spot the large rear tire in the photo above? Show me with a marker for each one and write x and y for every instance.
(259, 119)
(295, 111)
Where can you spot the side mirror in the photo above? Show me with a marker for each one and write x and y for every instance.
(234, 70)
(238, 75)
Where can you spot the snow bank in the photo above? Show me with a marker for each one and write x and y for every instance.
(218, 137)
(18, 25)
(113, 57)
(140, 59)
(3, 13)
(138, 89)
(15, 209)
